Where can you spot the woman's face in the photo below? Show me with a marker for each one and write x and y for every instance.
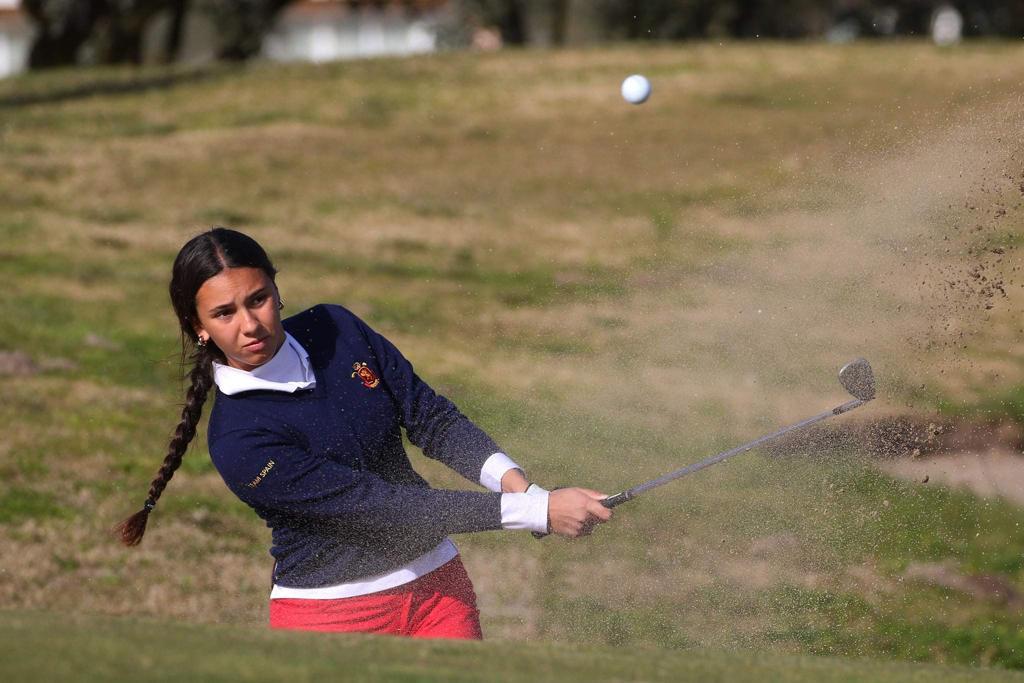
(238, 310)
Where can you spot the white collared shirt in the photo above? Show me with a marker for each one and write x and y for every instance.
(288, 371)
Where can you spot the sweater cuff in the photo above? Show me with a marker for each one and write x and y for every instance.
(494, 469)
(525, 511)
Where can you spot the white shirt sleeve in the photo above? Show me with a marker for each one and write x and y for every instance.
(518, 510)
(494, 469)
(525, 510)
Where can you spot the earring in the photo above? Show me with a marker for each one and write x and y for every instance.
(201, 342)
(280, 304)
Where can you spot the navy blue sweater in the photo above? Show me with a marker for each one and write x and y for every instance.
(326, 469)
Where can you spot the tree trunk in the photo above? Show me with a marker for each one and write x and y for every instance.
(244, 24)
(175, 32)
(513, 24)
(57, 43)
(559, 21)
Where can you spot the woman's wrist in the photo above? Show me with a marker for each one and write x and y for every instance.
(514, 481)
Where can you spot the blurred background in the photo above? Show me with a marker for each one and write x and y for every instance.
(37, 34)
(611, 290)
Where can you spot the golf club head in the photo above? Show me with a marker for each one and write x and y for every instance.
(857, 378)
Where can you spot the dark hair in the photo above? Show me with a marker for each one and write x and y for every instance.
(202, 257)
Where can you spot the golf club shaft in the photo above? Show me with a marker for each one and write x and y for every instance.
(629, 494)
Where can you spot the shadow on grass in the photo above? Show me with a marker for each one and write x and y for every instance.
(107, 86)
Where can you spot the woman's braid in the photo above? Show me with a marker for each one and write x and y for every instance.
(132, 529)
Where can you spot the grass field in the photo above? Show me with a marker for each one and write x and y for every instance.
(611, 291)
(93, 648)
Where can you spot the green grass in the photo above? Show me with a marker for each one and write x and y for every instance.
(83, 648)
(19, 503)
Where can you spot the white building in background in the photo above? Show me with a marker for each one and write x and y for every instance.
(307, 30)
(326, 30)
(947, 25)
(16, 33)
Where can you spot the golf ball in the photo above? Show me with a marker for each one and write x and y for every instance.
(636, 89)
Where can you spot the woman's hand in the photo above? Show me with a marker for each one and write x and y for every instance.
(574, 512)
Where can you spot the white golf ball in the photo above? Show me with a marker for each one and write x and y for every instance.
(636, 89)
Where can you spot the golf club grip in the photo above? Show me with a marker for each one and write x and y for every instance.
(617, 499)
(609, 502)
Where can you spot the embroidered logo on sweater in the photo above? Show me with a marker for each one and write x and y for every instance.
(259, 477)
(366, 375)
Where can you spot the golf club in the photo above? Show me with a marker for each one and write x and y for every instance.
(856, 377)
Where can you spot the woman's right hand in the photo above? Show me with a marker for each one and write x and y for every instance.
(574, 512)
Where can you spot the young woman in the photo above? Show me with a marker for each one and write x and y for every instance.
(306, 429)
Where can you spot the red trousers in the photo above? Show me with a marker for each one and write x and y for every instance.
(440, 604)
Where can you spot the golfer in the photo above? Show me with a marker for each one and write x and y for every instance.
(306, 429)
